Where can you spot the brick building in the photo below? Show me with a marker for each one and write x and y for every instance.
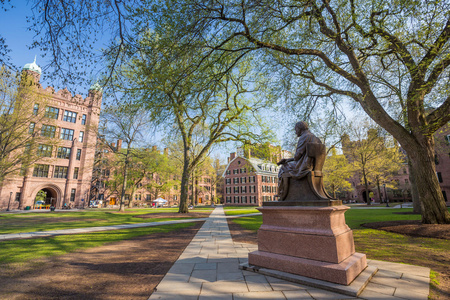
(202, 189)
(64, 173)
(397, 187)
(249, 181)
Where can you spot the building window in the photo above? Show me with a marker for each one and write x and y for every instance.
(44, 150)
(439, 176)
(60, 172)
(31, 128)
(83, 120)
(40, 171)
(48, 131)
(17, 197)
(70, 116)
(35, 109)
(75, 173)
(66, 134)
(228, 172)
(149, 197)
(72, 195)
(51, 112)
(80, 138)
(63, 152)
(228, 199)
(78, 154)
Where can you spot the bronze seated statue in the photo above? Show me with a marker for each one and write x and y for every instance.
(300, 180)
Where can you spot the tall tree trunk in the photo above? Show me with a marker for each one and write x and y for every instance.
(124, 184)
(379, 189)
(124, 188)
(417, 208)
(366, 186)
(130, 202)
(185, 185)
(432, 202)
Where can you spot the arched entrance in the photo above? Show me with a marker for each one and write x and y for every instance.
(364, 196)
(47, 195)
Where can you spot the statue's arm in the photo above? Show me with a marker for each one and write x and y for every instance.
(284, 161)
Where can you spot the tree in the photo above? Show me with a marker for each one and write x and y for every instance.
(372, 156)
(391, 59)
(163, 172)
(337, 171)
(21, 112)
(205, 104)
(127, 123)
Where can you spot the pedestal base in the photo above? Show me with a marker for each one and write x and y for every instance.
(353, 289)
(308, 241)
(342, 273)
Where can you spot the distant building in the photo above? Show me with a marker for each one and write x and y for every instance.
(401, 192)
(201, 191)
(63, 174)
(249, 181)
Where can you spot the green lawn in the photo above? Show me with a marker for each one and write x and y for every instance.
(45, 221)
(238, 207)
(354, 217)
(29, 249)
(241, 211)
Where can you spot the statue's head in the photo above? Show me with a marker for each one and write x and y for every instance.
(300, 127)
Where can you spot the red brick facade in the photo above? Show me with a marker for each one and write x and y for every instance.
(249, 181)
(65, 176)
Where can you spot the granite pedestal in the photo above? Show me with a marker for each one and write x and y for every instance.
(310, 241)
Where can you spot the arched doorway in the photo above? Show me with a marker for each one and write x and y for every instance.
(364, 196)
(47, 195)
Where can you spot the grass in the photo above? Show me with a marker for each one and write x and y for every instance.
(241, 211)
(16, 251)
(45, 221)
(354, 217)
(237, 207)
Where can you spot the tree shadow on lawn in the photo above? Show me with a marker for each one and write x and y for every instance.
(128, 269)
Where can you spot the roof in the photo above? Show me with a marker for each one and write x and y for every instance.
(33, 67)
(261, 167)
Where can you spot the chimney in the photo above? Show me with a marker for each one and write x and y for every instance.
(249, 153)
(154, 148)
(119, 144)
(232, 155)
(166, 151)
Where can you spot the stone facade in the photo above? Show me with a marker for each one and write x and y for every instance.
(65, 176)
(249, 181)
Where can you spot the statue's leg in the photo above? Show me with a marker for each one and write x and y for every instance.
(283, 187)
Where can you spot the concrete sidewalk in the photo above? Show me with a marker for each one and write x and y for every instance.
(38, 234)
(209, 269)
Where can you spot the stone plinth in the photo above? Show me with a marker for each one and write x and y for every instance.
(308, 241)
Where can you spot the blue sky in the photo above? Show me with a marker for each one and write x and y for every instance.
(13, 26)
(14, 29)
